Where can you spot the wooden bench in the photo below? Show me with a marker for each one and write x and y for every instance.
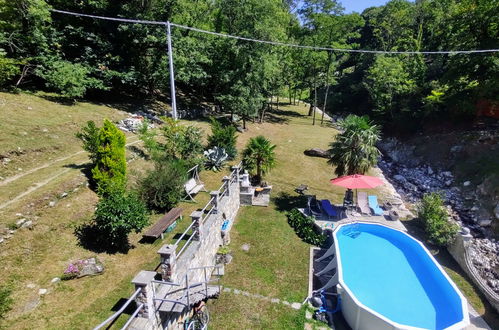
(164, 223)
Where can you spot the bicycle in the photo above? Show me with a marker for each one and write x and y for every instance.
(199, 319)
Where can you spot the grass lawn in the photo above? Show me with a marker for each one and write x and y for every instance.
(275, 266)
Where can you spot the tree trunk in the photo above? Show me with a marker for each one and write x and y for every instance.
(315, 103)
(290, 92)
(327, 86)
(311, 109)
(325, 103)
(277, 106)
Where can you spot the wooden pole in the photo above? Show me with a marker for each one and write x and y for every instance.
(172, 78)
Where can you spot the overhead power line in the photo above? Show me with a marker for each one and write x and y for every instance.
(276, 43)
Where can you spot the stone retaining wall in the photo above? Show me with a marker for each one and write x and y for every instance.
(201, 251)
(459, 251)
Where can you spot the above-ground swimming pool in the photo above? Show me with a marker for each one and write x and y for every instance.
(389, 280)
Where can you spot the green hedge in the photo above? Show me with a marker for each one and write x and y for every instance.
(305, 228)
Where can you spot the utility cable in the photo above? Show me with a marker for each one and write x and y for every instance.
(277, 43)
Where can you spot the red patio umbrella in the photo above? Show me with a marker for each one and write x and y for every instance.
(357, 181)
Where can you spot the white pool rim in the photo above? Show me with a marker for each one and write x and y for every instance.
(349, 311)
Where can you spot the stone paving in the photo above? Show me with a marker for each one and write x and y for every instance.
(294, 305)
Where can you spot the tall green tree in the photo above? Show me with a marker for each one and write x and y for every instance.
(106, 146)
(354, 150)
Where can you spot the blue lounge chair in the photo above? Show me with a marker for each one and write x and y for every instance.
(373, 204)
(328, 208)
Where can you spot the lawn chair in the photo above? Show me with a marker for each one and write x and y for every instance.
(328, 208)
(314, 207)
(362, 203)
(373, 204)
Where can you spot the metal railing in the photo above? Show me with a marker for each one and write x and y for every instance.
(118, 313)
(187, 287)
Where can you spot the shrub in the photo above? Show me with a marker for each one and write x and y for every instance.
(438, 228)
(5, 301)
(106, 146)
(8, 68)
(163, 187)
(215, 158)
(180, 142)
(223, 137)
(305, 228)
(116, 216)
(70, 79)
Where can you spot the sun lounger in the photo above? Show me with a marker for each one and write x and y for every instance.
(314, 207)
(373, 204)
(328, 208)
(362, 203)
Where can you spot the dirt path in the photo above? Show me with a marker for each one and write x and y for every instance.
(42, 183)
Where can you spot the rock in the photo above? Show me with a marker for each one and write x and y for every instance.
(296, 305)
(91, 267)
(28, 224)
(245, 247)
(240, 129)
(45, 130)
(52, 204)
(19, 214)
(64, 194)
(496, 211)
(447, 174)
(30, 286)
(42, 292)
(456, 149)
(466, 183)
(430, 171)
(485, 222)
(316, 152)
(1, 239)
(20, 222)
(55, 280)
(399, 178)
(448, 183)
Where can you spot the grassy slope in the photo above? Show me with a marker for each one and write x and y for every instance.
(275, 266)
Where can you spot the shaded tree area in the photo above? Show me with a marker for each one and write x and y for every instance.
(87, 58)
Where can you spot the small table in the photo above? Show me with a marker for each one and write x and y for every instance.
(301, 189)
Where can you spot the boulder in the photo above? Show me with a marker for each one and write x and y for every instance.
(316, 152)
(466, 183)
(91, 267)
(399, 178)
(496, 211)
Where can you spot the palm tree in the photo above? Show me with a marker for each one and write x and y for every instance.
(354, 150)
(259, 156)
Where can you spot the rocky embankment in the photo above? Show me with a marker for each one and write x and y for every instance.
(412, 178)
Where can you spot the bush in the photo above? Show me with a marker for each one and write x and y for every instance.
(8, 69)
(5, 301)
(163, 187)
(70, 79)
(305, 228)
(180, 142)
(438, 228)
(223, 137)
(116, 216)
(106, 146)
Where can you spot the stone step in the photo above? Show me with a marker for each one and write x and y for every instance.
(195, 295)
